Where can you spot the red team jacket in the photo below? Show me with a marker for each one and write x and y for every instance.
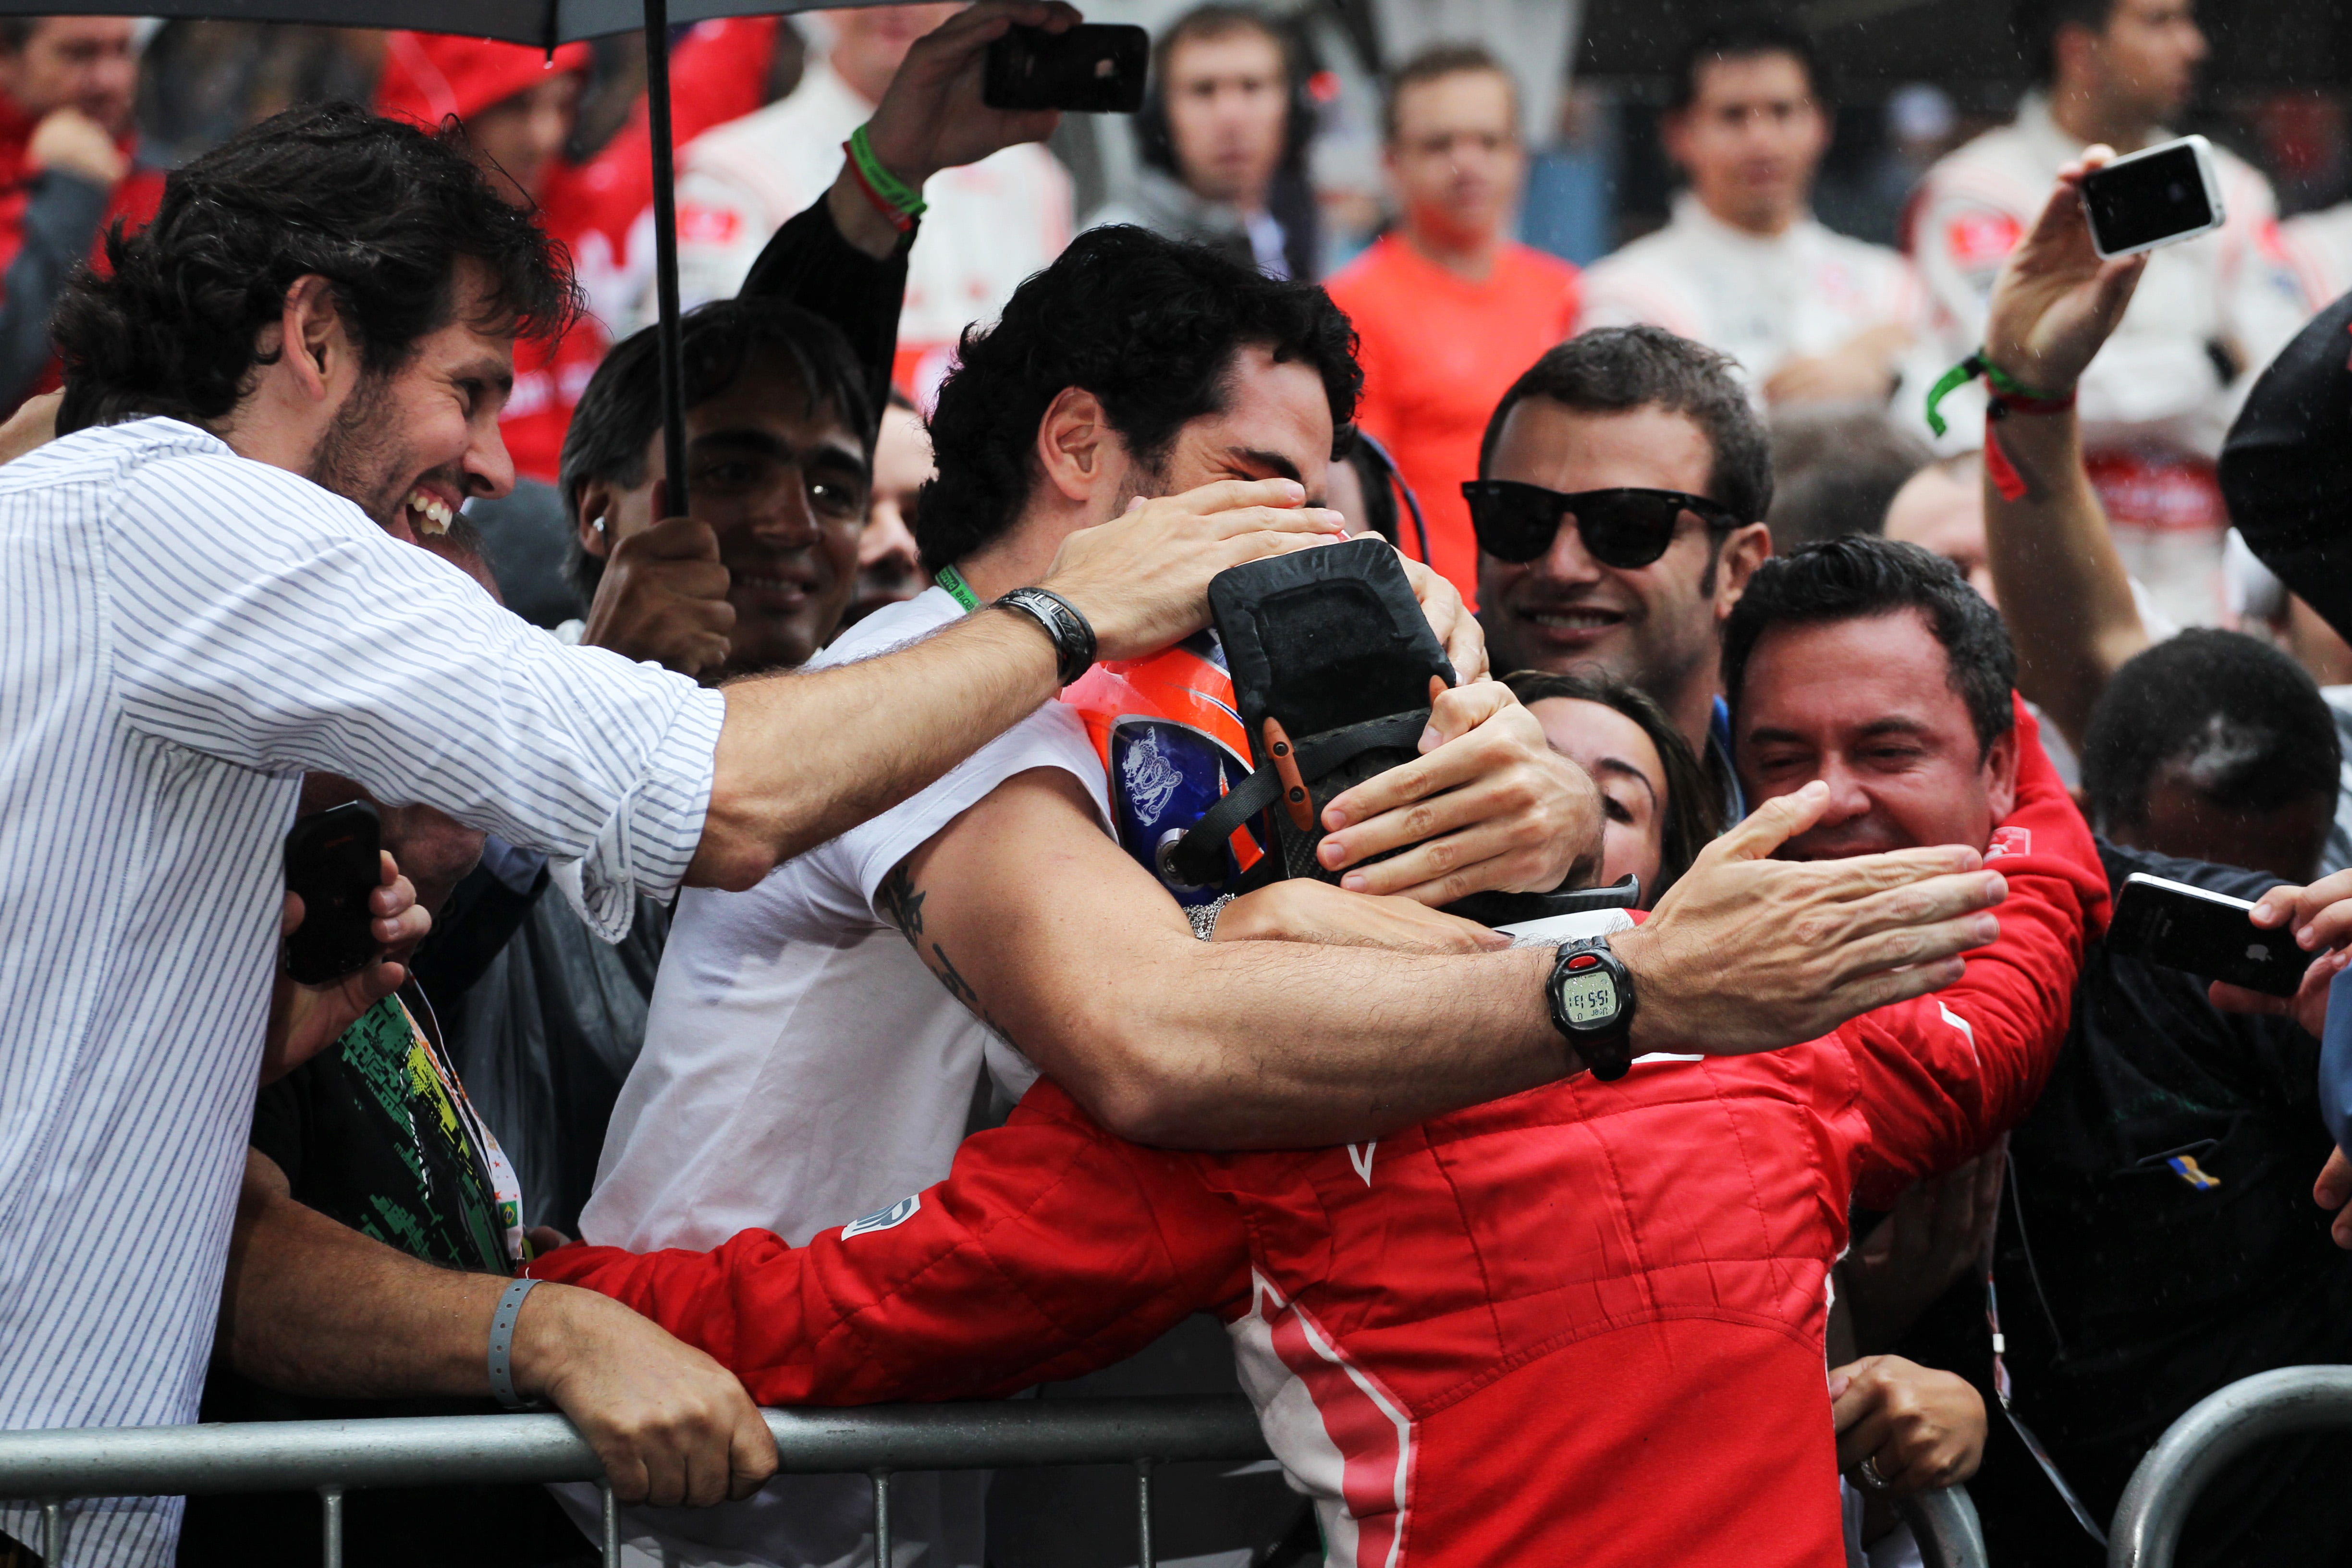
(1584, 1322)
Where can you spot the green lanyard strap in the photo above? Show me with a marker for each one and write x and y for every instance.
(958, 589)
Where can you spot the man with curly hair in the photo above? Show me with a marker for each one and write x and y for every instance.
(817, 1046)
(298, 365)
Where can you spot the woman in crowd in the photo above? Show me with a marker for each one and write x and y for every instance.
(1659, 812)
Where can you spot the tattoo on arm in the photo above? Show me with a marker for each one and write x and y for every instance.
(902, 906)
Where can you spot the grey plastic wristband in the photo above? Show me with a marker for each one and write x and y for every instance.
(502, 1328)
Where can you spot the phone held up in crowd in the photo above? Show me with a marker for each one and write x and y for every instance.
(333, 861)
(2154, 197)
(1094, 67)
(2205, 933)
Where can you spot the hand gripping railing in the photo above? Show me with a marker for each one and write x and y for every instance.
(332, 1456)
(2212, 1432)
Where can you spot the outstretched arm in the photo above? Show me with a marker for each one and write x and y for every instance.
(1046, 930)
(2062, 584)
(313, 1307)
(1051, 1250)
(1942, 1076)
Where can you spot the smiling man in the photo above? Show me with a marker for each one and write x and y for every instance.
(1620, 490)
(1873, 667)
(779, 456)
(207, 595)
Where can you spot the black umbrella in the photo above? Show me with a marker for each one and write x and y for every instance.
(542, 24)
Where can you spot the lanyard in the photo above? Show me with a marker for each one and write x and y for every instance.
(489, 1160)
(958, 589)
(2082, 1515)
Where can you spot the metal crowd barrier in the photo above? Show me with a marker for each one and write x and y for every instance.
(334, 1457)
(2211, 1433)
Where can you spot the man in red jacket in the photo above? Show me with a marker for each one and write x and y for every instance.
(1588, 1317)
(518, 107)
(67, 170)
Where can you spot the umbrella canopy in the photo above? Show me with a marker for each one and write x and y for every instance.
(541, 23)
(544, 23)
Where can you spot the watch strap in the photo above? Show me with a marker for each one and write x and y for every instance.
(1074, 639)
(1607, 1053)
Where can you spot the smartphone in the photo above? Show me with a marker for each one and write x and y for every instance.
(1094, 67)
(333, 860)
(2205, 933)
(2153, 198)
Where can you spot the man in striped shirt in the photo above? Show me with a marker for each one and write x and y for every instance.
(204, 594)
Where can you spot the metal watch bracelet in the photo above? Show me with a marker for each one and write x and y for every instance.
(1073, 638)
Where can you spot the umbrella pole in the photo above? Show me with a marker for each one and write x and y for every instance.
(668, 339)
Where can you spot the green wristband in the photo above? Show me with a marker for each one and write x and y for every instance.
(1967, 370)
(887, 185)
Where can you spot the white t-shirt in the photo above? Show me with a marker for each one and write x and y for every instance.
(803, 1068)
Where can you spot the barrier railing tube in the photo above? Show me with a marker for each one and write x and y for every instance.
(335, 1457)
(2211, 1433)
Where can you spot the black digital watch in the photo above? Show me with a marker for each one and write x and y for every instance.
(1591, 994)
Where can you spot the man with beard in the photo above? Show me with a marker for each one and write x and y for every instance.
(297, 366)
(1618, 507)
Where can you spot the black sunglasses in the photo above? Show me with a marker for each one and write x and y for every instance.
(1621, 528)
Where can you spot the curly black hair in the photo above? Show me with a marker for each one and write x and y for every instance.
(1150, 327)
(380, 208)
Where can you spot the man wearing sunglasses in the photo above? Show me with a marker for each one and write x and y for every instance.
(1621, 487)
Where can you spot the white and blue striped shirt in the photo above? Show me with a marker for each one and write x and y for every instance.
(183, 633)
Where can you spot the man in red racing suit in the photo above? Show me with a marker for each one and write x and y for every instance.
(1586, 1319)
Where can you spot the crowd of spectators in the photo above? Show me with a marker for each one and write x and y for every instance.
(792, 985)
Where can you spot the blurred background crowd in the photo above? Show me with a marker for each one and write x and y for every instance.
(1824, 191)
(1829, 214)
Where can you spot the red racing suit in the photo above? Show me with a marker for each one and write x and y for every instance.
(1583, 1323)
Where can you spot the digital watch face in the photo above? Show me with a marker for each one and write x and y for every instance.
(1588, 996)
(2142, 202)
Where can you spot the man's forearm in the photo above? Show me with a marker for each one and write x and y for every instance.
(842, 258)
(804, 757)
(2063, 587)
(1250, 1045)
(313, 1307)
